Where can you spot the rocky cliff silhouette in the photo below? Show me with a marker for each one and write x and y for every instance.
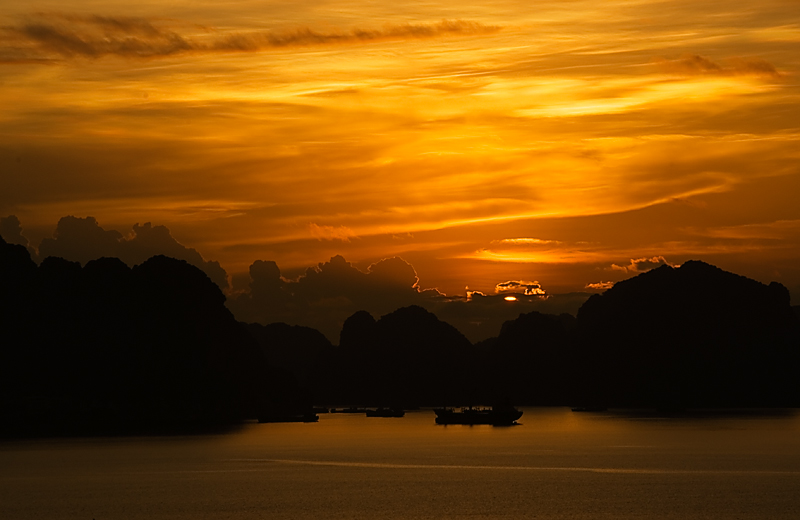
(303, 354)
(529, 361)
(693, 336)
(107, 348)
(407, 357)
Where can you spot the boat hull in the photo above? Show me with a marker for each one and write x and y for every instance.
(471, 416)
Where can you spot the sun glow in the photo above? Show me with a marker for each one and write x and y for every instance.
(451, 136)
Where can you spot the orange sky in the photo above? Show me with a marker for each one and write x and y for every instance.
(487, 141)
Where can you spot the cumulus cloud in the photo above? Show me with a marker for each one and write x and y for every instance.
(694, 64)
(83, 239)
(394, 272)
(390, 282)
(11, 231)
(520, 286)
(94, 36)
(640, 265)
(325, 295)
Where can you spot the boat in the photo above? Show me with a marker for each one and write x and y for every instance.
(496, 416)
(386, 412)
(350, 409)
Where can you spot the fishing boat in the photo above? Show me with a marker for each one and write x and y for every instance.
(496, 416)
(349, 409)
(386, 412)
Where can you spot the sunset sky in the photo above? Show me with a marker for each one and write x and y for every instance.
(556, 142)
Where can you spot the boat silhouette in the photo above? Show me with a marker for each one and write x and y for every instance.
(496, 416)
(386, 412)
(349, 409)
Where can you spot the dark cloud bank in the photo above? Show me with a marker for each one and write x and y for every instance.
(323, 297)
(327, 294)
(83, 239)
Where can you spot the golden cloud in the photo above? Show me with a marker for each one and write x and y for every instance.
(528, 288)
(640, 265)
(600, 286)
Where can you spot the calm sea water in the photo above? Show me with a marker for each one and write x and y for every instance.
(557, 464)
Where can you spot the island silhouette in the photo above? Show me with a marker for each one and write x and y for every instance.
(104, 348)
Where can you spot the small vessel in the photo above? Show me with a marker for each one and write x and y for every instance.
(386, 412)
(496, 416)
(351, 409)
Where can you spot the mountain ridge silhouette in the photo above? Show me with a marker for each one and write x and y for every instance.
(109, 348)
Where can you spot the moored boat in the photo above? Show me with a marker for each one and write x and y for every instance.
(350, 409)
(386, 412)
(495, 416)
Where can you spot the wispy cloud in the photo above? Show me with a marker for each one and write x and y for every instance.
(69, 36)
(695, 65)
(781, 229)
(342, 233)
(525, 241)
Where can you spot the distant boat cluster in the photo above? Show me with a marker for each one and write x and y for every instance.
(495, 416)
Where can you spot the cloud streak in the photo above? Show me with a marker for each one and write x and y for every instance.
(696, 65)
(331, 232)
(71, 36)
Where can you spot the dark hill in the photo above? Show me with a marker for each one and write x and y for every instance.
(109, 349)
(529, 360)
(407, 357)
(693, 336)
(291, 347)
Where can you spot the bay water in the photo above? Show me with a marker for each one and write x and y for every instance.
(557, 464)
